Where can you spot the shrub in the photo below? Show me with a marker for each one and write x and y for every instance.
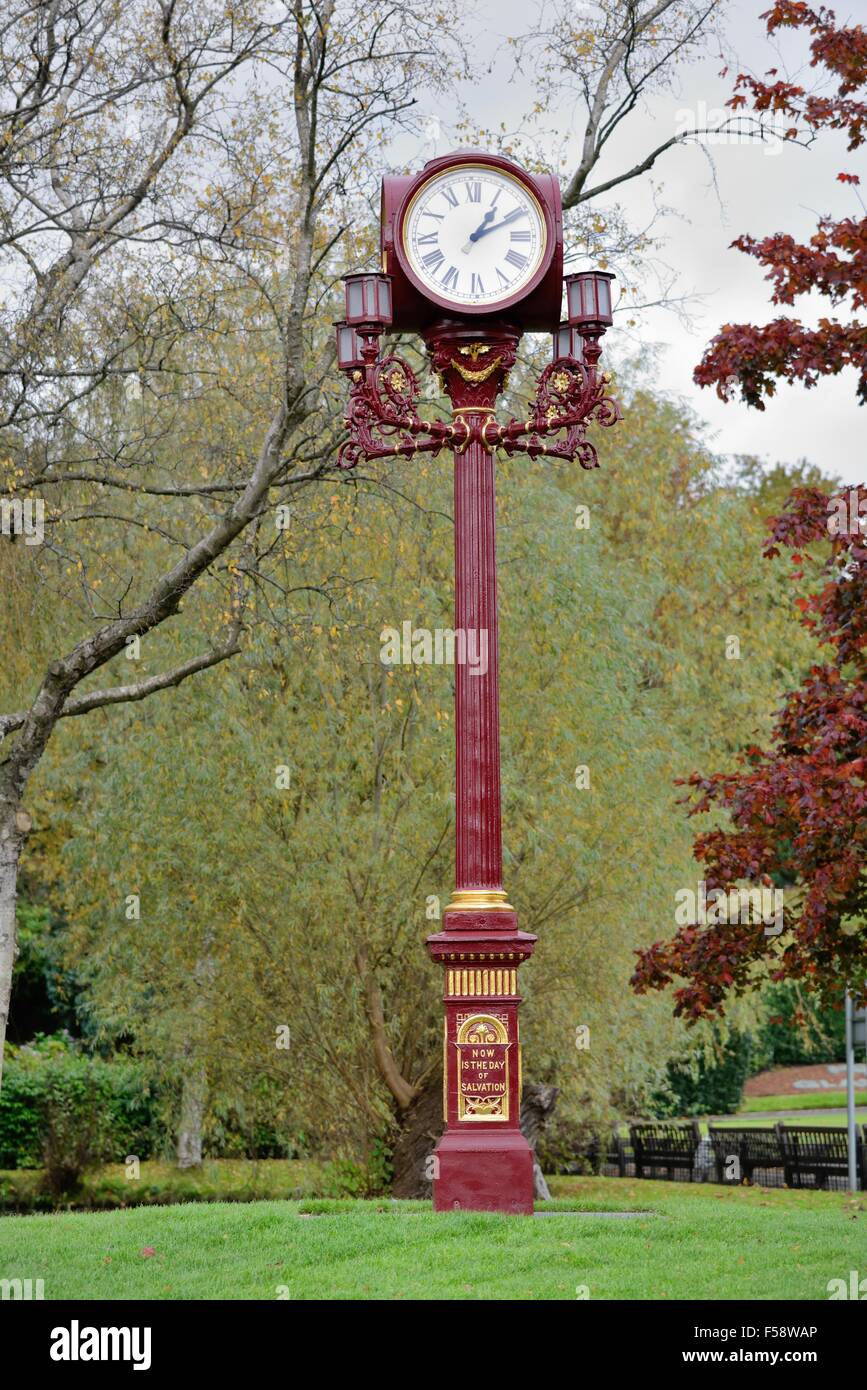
(75, 1140)
(791, 1036)
(709, 1081)
(345, 1177)
(67, 1110)
(110, 1188)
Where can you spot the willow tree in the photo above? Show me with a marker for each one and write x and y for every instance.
(173, 184)
(295, 814)
(172, 175)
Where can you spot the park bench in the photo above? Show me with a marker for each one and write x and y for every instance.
(817, 1151)
(600, 1154)
(753, 1148)
(669, 1146)
(612, 1152)
(619, 1155)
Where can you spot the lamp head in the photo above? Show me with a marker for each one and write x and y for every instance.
(368, 300)
(588, 299)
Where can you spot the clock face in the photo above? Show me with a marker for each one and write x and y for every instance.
(474, 235)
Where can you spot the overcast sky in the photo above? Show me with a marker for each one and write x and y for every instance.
(753, 189)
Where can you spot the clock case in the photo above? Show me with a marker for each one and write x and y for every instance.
(535, 308)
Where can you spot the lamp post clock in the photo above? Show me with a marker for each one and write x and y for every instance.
(472, 257)
(473, 236)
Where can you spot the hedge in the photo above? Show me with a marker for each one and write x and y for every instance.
(111, 1098)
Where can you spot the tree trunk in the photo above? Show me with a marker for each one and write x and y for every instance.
(422, 1124)
(14, 823)
(537, 1106)
(193, 1093)
(420, 1127)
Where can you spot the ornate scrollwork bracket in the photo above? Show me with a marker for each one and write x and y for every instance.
(383, 420)
(569, 395)
(382, 416)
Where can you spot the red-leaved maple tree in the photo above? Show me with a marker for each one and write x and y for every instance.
(798, 809)
(834, 261)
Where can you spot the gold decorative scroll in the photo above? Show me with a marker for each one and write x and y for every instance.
(476, 378)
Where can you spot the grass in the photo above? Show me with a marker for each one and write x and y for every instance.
(688, 1242)
(833, 1119)
(754, 1119)
(813, 1100)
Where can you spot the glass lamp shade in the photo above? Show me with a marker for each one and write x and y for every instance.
(588, 296)
(566, 341)
(368, 299)
(349, 356)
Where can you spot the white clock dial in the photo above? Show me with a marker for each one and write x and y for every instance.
(474, 235)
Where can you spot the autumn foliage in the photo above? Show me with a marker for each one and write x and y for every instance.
(799, 808)
(833, 263)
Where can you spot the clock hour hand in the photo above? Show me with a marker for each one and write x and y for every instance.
(510, 217)
(474, 236)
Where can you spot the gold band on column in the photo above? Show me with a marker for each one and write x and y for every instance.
(479, 900)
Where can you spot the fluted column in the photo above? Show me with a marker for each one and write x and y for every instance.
(478, 832)
(473, 365)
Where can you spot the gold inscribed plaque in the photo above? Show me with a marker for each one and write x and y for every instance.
(483, 1068)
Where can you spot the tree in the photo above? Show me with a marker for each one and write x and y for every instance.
(798, 804)
(294, 814)
(162, 202)
(833, 263)
(153, 214)
(798, 807)
(184, 391)
(612, 55)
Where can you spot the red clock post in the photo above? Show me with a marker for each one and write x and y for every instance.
(472, 257)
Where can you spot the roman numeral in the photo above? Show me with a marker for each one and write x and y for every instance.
(450, 279)
(450, 196)
(433, 260)
(474, 192)
(495, 197)
(520, 236)
(430, 239)
(516, 259)
(437, 215)
(476, 287)
(502, 279)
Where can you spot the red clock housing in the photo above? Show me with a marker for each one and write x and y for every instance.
(535, 308)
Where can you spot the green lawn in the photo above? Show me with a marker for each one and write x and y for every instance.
(689, 1241)
(830, 1118)
(805, 1100)
(761, 1118)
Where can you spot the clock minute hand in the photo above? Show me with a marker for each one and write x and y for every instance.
(510, 217)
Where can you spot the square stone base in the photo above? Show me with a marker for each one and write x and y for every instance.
(484, 1171)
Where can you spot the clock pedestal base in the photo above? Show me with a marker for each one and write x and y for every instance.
(482, 1162)
(483, 1172)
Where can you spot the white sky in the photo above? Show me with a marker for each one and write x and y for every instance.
(758, 191)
